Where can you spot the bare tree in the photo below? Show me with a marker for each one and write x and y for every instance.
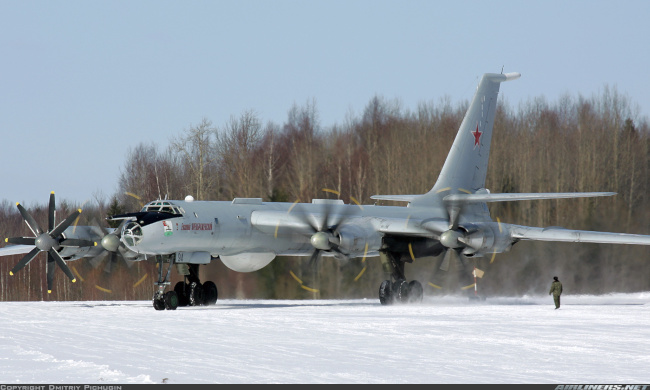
(303, 149)
(236, 146)
(197, 150)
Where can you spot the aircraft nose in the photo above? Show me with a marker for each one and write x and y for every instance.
(132, 234)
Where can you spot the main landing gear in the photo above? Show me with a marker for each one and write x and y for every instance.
(189, 292)
(397, 288)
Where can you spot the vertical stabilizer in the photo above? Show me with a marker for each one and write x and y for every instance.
(466, 165)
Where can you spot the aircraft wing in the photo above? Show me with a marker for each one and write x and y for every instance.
(484, 196)
(565, 235)
(507, 197)
(396, 198)
(15, 250)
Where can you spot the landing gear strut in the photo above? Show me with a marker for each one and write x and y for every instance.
(189, 292)
(396, 288)
(164, 300)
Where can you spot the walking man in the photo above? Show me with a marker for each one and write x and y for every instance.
(556, 290)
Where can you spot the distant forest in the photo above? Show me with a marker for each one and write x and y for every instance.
(573, 144)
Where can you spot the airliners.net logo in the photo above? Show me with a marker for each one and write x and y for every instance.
(601, 387)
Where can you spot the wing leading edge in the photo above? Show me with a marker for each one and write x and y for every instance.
(10, 250)
(480, 197)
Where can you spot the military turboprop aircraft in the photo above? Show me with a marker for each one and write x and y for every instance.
(248, 233)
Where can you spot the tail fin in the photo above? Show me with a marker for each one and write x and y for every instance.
(466, 165)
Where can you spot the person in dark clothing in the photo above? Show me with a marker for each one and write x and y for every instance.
(556, 290)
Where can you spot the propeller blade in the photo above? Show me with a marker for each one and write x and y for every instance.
(304, 217)
(61, 264)
(121, 249)
(444, 266)
(325, 220)
(98, 229)
(21, 240)
(77, 242)
(97, 261)
(25, 260)
(458, 262)
(50, 267)
(313, 218)
(454, 212)
(29, 220)
(340, 219)
(453, 259)
(51, 214)
(109, 263)
(313, 260)
(467, 264)
(65, 224)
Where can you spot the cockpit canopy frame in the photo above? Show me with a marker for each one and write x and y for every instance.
(163, 206)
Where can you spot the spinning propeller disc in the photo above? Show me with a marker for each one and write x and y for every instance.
(321, 238)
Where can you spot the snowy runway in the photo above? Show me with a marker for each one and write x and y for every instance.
(591, 339)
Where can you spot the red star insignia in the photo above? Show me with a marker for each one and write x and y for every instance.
(477, 136)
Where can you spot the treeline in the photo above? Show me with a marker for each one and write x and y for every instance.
(573, 144)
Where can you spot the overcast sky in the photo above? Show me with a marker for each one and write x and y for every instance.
(81, 82)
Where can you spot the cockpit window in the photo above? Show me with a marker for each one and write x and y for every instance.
(163, 206)
(132, 233)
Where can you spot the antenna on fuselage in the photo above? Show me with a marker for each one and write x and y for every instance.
(155, 169)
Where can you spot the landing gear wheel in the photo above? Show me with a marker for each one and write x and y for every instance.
(210, 293)
(158, 304)
(415, 291)
(386, 292)
(171, 300)
(401, 290)
(196, 294)
(180, 289)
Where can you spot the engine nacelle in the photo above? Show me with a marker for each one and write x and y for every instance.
(478, 239)
(484, 238)
(353, 240)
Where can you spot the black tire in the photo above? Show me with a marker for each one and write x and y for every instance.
(180, 290)
(196, 297)
(210, 293)
(416, 292)
(171, 300)
(159, 304)
(401, 291)
(386, 292)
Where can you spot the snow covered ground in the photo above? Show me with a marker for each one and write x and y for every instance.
(591, 339)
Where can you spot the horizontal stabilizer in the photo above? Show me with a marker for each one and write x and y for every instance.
(507, 76)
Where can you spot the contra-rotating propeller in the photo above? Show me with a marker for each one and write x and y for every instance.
(111, 243)
(112, 246)
(322, 229)
(455, 239)
(325, 232)
(50, 241)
